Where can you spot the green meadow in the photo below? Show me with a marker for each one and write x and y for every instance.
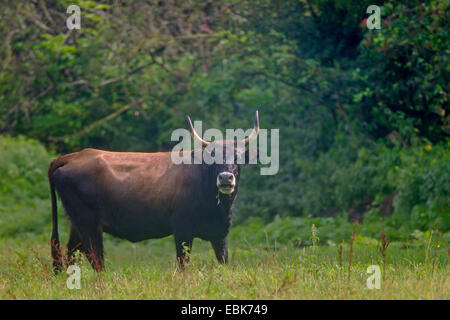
(416, 270)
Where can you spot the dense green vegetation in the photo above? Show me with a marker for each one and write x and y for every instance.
(363, 117)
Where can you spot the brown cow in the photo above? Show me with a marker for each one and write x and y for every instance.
(139, 196)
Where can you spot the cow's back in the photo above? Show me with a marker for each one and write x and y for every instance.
(133, 194)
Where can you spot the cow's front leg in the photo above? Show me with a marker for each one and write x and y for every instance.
(220, 249)
(183, 245)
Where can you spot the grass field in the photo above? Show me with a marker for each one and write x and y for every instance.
(147, 270)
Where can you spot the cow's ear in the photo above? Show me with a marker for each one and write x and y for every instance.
(251, 156)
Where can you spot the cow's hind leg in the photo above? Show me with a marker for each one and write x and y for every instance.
(86, 229)
(92, 241)
(74, 244)
(84, 214)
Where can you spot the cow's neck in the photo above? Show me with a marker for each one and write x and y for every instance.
(225, 201)
(218, 200)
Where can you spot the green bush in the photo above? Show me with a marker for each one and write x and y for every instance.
(422, 181)
(24, 188)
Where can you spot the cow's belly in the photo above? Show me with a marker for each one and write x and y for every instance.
(136, 224)
(140, 235)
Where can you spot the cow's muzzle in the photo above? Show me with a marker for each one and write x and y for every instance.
(226, 182)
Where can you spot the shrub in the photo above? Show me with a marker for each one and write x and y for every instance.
(24, 189)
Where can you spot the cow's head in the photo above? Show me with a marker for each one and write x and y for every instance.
(234, 153)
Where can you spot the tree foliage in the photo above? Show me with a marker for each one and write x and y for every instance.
(352, 104)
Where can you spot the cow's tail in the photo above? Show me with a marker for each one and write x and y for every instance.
(55, 247)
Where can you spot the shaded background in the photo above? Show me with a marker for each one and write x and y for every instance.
(363, 114)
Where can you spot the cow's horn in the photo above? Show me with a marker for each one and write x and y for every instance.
(255, 131)
(196, 136)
